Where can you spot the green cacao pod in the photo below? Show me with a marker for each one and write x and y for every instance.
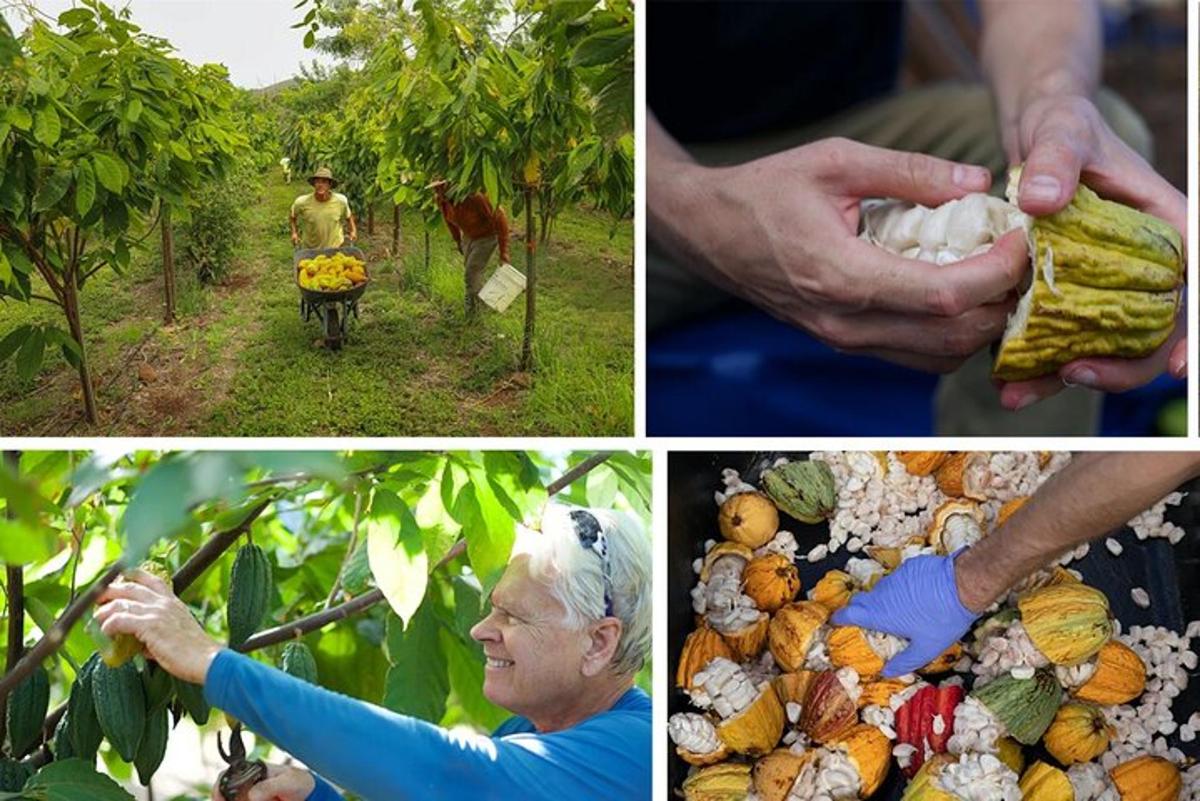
(805, 490)
(27, 706)
(62, 746)
(154, 745)
(1026, 707)
(159, 688)
(1107, 281)
(192, 698)
(13, 775)
(85, 730)
(120, 706)
(249, 592)
(298, 661)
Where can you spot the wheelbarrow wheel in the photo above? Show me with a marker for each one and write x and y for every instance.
(333, 327)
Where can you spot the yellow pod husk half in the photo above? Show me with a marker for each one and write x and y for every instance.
(1044, 782)
(775, 773)
(1079, 733)
(848, 647)
(701, 760)
(923, 786)
(728, 781)
(1147, 778)
(1107, 281)
(700, 648)
(1067, 622)
(870, 751)
(791, 632)
(921, 463)
(965, 474)
(1009, 752)
(750, 640)
(1120, 676)
(757, 728)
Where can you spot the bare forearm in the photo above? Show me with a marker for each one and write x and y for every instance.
(675, 200)
(1094, 494)
(1032, 48)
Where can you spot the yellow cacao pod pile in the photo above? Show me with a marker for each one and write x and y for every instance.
(771, 580)
(1079, 733)
(749, 518)
(1120, 676)
(1044, 782)
(1067, 622)
(1147, 778)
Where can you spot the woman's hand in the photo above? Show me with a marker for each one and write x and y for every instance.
(283, 783)
(141, 604)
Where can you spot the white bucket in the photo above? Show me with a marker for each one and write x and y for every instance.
(505, 286)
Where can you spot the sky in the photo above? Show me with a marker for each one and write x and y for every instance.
(252, 38)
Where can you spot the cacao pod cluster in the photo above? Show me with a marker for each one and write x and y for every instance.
(788, 707)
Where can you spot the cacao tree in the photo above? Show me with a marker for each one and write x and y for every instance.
(360, 571)
(99, 123)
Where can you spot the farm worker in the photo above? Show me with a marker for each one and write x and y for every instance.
(476, 228)
(286, 165)
(933, 600)
(322, 213)
(568, 628)
(758, 153)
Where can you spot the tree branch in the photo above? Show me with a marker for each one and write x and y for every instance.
(301, 626)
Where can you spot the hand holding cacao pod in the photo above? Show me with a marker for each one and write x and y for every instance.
(144, 606)
(283, 783)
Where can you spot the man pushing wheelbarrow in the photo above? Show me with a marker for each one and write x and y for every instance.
(330, 274)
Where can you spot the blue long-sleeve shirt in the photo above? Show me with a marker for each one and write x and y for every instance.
(383, 756)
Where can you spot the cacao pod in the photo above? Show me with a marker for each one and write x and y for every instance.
(27, 705)
(830, 713)
(1120, 676)
(700, 647)
(13, 775)
(915, 722)
(298, 661)
(804, 490)
(1107, 281)
(889, 556)
(123, 647)
(1009, 752)
(728, 781)
(250, 586)
(924, 787)
(62, 746)
(965, 474)
(775, 773)
(191, 696)
(720, 551)
(870, 751)
(153, 746)
(848, 647)
(833, 591)
(1067, 622)
(1008, 509)
(944, 661)
(757, 728)
(85, 730)
(771, 580)
(1044, 782)
(159, 687)
(792, 688)
(1147, 778)
(748, 518)
(880, 692)
(120, 707)
(748, 641)
(1025, 706)
(791, 632)
(957, 523)
(1079, 733)
(921, 463)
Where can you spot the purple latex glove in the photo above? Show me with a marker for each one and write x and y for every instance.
(919, 601)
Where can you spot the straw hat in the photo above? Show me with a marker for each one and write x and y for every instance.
(323, 172)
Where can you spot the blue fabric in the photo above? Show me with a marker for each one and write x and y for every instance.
(383, 756)
(744, 373)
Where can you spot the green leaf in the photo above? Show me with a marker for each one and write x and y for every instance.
(85, 187)
(310, 39)
(47, 127)
(20, 118)
(488, 526)
(465, 662)
(490, 184)
(29, 359)
(416, 683)
(180, 150)
(109, 171)
(76, 16)
(70, 348)
(134, 111)
(72, 780)
(6, 270)
(603, 47)
(23, 544)
(356, 578)
(53, 190)
(396, 551)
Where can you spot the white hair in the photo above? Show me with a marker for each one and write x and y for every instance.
(575, 575)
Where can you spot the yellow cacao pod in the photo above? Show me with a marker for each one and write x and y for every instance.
(1067, 622)
(833, 591)
(1044, 782)
(749, 641)
(848, 647)
(749, 518)
(880, 692)
(965, 474)
(728, 781)
(921, 463)
(1107, 281)
(1079, 733)
(791, 632)
(957, 523)
(923, 786)
(700, 647)
(1009, 508)
(870, 751)
(775, 773)
(771, 580)
(1120, 676)
(757, 728)
(793, 687)
(722, 550)
(943, 661)
(1147, 778)
(1009, 752)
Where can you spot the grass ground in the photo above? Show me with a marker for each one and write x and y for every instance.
(241, 362)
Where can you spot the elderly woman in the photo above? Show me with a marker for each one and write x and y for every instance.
(568, 629)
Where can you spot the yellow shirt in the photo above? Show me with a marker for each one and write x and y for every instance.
(321, 223)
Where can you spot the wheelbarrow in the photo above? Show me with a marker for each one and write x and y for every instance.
(332, 309)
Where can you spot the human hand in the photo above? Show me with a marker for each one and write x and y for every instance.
(781, 232)
(918, 601)
(143, 605)
(1062, 139)
(283, 783)
(295, 240)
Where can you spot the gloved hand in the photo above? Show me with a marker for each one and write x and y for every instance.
(919, 601)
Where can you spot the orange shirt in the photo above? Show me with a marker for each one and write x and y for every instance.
(476, 218)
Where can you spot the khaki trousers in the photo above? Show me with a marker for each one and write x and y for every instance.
(476, 253)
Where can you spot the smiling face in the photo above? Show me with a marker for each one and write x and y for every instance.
(322, 187)
(534, 663)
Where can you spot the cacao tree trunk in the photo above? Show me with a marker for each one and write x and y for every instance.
(427, 252)
(168, 257)
(71, 307)
(530, 282)
(370, 221)
(15, 587)
(396, 231)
